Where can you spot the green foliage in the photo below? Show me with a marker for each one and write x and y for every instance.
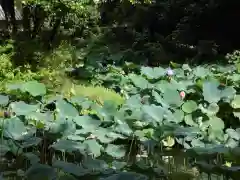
(118, 134)
(97, 93)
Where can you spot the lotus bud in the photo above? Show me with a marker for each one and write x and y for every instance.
(182, 94)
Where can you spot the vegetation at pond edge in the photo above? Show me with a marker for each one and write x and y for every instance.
(166, 116)
(113, 90)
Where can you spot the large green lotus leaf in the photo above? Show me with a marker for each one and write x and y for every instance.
(45, 117)
(201, 72)
(68, 146)
(93, 147)
(172, 97)
(188, 119)
(140, 135)
(34, 88)
(139, 81)
(233, 134)
(115, 151)
(216, 135)
(13, 145)
(78, 100)
(118, 165)
(216, 123)
(232, 143)
(62, 126)
(168, 116)
(205, 167)
(189, 106)
(95, 165)
(127, 176)
(153, 73)
(114, 135)
(71, 168)
(21, 108)
(14, 86)
(163, 86)
(65, 176)
(236, 102)
(234, 77)
(211, 93)
(134, 102)
(178, 116)
(15, 129)
(181, 86)
(86, 122)
(40, 172)
(75, 138)
(211, 110)
(179, 73)
(160, 100)
(228, 93)
(103, 131)
(124, 129)
(33, 158)
(4, 100)
(137, 114)
(197, 143)
(82, 131)
(4, 149)
(187, 131)
(211, 149)
(32, 141)
(154, 113)
(104, 139)
(186, 67)
(110, 106)
(107, 111)
(66, 109)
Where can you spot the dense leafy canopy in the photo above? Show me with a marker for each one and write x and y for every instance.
(154, 114)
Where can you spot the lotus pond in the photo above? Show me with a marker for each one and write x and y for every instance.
(179, 123)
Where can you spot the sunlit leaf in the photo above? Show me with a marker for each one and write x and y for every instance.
(21, 108)
(15, 129)
(68, 146)
(236, 102)
(153, 73)
(66, 109)
(154, 113)
(216, 123)
(93, 147)
(172, 97)
(211, 93)
(34, 88)
(189, 106)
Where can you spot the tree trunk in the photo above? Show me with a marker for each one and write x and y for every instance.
(9, 11)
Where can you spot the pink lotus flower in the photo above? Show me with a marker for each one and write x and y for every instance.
(182, 94)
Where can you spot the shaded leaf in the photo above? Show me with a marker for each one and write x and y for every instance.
(71, 168)
(41, 171)
(115, 151)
